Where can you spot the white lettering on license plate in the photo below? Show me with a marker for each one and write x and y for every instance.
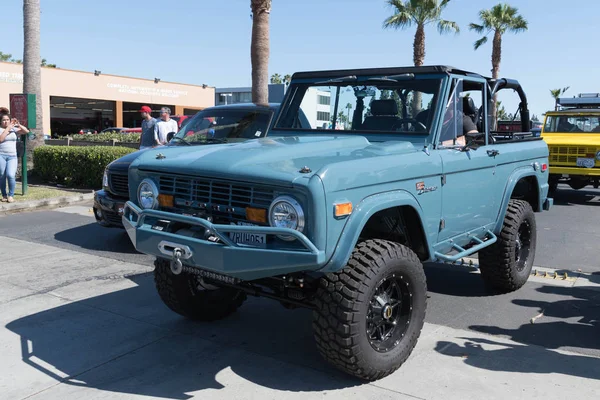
(247, 238)
(586, 162)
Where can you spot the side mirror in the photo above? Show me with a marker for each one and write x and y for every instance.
(170, 136)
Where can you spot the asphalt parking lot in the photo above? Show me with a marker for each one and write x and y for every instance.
(80, 318)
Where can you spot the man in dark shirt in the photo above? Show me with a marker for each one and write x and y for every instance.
(147, 139)
(468, 126)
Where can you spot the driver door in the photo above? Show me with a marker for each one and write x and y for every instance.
(470, 188)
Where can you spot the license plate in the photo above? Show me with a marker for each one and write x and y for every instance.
(586, 162)
(247, 238)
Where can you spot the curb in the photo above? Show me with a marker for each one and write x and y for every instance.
(55, 201)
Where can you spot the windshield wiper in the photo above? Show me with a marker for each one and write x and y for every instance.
(213, 140)
(349, 78)
(181, 140)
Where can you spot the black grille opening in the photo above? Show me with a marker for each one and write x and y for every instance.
(119, 184)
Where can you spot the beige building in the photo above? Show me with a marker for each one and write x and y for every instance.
(74, 100)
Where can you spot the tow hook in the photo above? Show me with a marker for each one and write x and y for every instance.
(176, 265)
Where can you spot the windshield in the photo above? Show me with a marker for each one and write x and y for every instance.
(394, 104)
(224, 126)
(572, 124)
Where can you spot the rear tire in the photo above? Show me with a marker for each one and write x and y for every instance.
(506, 265)
(184, 295)
(369, 315)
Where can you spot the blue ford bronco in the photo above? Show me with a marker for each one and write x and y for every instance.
(341, 220)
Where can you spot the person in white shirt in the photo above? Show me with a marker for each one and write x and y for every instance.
(164, 126)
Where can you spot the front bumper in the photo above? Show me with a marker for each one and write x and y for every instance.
(574, 171)
(224, 257)
(108, 209)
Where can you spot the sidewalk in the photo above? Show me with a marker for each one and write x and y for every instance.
(75, 326)
(51, 196)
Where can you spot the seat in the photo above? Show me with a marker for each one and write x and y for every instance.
(469, 108)
(384, 115)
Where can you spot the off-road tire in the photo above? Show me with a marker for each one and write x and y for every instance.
(181, 294)
(498, 262)
(342, 303)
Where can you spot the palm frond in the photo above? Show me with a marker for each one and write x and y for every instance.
(518, 24)
(477, 28)
(447, 27)
(480, 42)
(398, 21)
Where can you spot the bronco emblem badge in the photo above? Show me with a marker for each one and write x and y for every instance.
(160, 156)
(421, 188)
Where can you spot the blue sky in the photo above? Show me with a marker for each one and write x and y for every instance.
(206, 41)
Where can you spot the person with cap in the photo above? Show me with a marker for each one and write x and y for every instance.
(147, 138)
(164, 126)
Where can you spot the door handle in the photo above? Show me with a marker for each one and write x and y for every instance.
(493, 153)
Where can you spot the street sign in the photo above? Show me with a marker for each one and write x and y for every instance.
(22, 107)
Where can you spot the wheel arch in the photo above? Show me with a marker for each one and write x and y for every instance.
(523, 184)
(366, 212)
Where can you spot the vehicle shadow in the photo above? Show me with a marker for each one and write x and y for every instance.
(128, 342)
(455, 280)
(573, 323)
(95, 237)
(525, 359)
(565, 196)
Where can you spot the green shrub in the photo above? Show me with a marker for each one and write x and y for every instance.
(105, 137)
(75, 166)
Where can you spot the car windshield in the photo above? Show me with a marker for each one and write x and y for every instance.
(401, 104)
(224, 126)
(572, 124)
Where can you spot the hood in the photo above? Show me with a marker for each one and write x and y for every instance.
(572, 139)
(122, 164)
(267, 159)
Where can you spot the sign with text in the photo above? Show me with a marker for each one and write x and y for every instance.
(22, 107)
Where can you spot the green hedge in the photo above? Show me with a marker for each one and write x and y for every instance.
(105, 137)
(75, 166)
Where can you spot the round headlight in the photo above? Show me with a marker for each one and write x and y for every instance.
(105, 180)
(598, 156)
(285, 212)
(148, 194)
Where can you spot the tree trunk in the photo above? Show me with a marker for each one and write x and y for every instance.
(259, 50)
(418, 58)
(496, 57)
(32, 80)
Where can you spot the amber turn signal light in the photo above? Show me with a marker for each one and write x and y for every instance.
(256, 214)
(342, 209)
(165, 200)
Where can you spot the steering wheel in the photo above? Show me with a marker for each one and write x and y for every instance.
(411, 121)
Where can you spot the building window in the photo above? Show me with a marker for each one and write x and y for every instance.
(324, 100)
(323, 116)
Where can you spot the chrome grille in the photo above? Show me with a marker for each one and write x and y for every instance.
(215, 192)
(568, 155)
(119, 184)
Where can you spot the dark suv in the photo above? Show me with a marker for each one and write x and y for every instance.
(109, 202)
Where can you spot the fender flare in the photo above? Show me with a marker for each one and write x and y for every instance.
(515, 177)
(358, 219)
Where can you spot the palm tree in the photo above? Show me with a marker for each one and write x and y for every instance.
(32, 76)
(499, 19)
(276, 78)
(259, 50)
(556, 93)
(287, 79)
(419, 13)
(349, 107)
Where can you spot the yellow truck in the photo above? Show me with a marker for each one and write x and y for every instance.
(572, 134)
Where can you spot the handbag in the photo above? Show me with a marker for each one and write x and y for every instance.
(19, 148)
